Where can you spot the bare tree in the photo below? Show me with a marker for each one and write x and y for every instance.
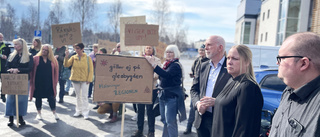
(161, 15)
(83, 10)
(8, 22)
(181, 30)
(115, 11)
(55, 17)
(28, 24)
(58, 11)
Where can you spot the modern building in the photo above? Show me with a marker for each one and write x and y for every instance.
(279, 19)
(247, 15)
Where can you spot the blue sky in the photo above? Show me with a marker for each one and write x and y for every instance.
(202, 17)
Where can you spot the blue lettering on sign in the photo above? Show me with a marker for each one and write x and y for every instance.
(125, 92)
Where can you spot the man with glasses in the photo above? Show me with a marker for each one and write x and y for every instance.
(299, 68)
(4, 53)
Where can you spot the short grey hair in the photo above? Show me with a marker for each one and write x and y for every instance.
(174, 49)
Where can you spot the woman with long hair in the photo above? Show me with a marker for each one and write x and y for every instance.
(81, 76)
(237, 109)
(19, 62)
(171, 96)
(44, 78)
(36, 46)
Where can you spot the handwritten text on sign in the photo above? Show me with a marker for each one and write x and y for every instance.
(14, 84)
(123, 79)
(66, 34)
(141, 34)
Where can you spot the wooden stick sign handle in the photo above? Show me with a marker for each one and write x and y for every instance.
(17, 110)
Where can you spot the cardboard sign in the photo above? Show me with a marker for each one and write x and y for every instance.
(130, 20)
(107, 44)
(66, 34)
(160, 51)
(14, 84)
(123, 79)
(141, 34)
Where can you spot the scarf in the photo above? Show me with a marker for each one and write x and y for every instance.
(168, 62)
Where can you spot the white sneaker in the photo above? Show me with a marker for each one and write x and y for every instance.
(39, 117)
(134, 118)
(77, 114)
(85, 117)
(56, 116)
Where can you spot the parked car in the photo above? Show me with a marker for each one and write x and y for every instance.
(271, 88)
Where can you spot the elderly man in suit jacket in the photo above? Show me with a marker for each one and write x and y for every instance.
(211, 79)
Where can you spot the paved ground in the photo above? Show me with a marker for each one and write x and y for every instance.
(96, 125)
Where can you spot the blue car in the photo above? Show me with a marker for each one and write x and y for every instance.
(271, 88)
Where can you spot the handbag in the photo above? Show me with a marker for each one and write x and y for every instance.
(66, 72)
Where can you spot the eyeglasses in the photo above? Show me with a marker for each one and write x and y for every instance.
(283, 57)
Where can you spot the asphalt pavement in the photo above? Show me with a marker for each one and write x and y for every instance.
(96, 126)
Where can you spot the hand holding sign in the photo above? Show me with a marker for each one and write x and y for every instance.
(151, 60)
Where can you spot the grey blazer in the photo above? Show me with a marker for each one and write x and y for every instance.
(198, 89)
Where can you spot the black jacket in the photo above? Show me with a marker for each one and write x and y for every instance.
(24, 68)
(4, 50)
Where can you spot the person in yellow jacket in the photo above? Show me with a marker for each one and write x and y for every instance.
(81, 76)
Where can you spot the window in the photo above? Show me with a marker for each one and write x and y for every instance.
(266, 36)
(263, 16)
(272, 82)
(245, 33)
(261, 37)
(268, 14)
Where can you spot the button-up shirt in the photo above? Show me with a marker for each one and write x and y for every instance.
(299, 112)
(213, 75)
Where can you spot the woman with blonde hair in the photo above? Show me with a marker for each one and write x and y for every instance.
(36, 46)
(237, 109)
(44, 78)
(19, 62)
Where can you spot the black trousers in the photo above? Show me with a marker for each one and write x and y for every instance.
(205, 128)
(51, 100)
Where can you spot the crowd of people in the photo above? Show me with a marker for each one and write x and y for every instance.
(226, 100)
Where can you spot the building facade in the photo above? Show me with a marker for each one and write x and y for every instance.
(247, 15)
(278, 19)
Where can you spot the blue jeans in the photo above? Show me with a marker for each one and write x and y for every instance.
(68, 85)
(191, 117)
(168, 112)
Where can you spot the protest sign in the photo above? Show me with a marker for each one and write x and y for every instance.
(130, 20)
(141, 34)
(14, 84)
(66, 34)
(107, 44)
(123, 79)
(160, 49)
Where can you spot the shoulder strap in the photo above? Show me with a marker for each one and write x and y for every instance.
(88, 64)
(181, 73)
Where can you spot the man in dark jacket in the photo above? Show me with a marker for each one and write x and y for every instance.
(59, 54)
(194, 70)
(211, 78)
(4, 53)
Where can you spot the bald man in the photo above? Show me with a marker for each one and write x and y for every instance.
(299, 68)
(211, 78)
